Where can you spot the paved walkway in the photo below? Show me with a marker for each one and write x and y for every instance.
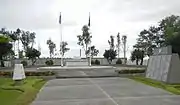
(102, 91)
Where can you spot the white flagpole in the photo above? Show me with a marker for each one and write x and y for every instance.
(61, 52)
(90, 44)
(61, 45)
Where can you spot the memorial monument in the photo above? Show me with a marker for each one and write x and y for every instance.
(77, 61)
(164, 65)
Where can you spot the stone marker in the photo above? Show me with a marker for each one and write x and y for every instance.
(18, 73)
(164, 66)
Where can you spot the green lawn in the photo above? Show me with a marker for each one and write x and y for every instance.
(19, 95)
(175, 88)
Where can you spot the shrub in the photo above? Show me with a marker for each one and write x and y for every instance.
(131, 71)
(49, 62)
(92, 62)
(24, 63)
(119, 61)
(97, 62)
(28, 73)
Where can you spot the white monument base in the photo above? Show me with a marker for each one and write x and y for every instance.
(164, 68)
(18, 73)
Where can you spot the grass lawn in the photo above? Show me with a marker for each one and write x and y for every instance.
(175, 88)
(19, 95)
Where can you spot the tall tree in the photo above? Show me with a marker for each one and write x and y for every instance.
(85, 39)
(111, 53)
(63, 47)
(5, 47)
(12, 35)
(111, 42)
(170, 27)
(118, 44)
(94, 51)
(18, 34)
(51, 46)
(27, 39)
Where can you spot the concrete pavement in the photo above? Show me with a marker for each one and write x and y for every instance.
(102, 91)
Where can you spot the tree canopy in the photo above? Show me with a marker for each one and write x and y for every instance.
(5, 47)
(51, 46)
(85, 39)
(166, 33)
(63, 47)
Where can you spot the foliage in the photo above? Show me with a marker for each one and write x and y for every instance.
(27, 39)
(24, 63)
(94, 51)
(118, 44)
(110, 55)
(85, 39)
(97, 62)
(49, 62)
(21, 54)
(166, 33)
(5, 47)
(171, 88)
(33, 54)
(17, 95)
(119, 61)
(63, 47)
(170, 26)
(137, 55)
(51, 46)
(111, 42)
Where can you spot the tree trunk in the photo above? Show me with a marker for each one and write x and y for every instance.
(86, 51)
(18, 49)
(141, 61)
(137, 62)
(2, 62)
(33, 61)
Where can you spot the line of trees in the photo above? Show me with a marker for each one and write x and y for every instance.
(114, 50)
(167, 32)
(10, 38)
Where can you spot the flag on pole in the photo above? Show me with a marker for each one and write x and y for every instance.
(60, 18)
(89, 24)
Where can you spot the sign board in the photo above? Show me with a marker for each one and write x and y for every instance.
(18, 73)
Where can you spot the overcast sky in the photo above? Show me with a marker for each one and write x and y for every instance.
(108, 17)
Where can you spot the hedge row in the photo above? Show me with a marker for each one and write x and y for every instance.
(27, 73)
(131, 71)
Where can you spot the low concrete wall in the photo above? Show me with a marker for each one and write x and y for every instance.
(57, 61)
